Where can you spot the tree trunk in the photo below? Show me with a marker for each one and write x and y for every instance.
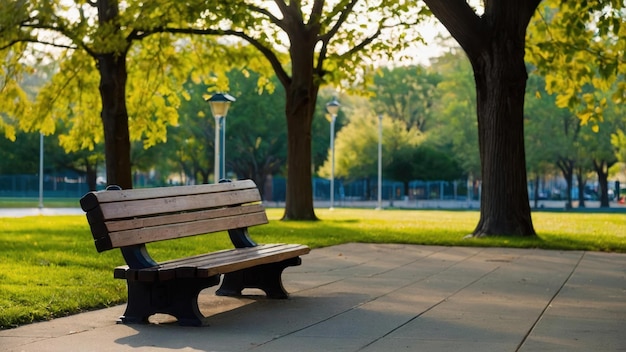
(494, 44)
(91, 174)
(567, 168)
(299, 194)
(536, 191)
(580, 177)
(602, 170)
(301, 94)
(500, 77)
(115, 120)
(113, 75)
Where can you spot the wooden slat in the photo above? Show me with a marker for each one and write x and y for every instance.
(159, 233)
(251, 259)
(146, 207)
(163, 192)
(221, 256)
(234, 260)
(210, 264)
(137, 223)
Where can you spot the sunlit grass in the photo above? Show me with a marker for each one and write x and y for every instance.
(22, 202)
(50, 267)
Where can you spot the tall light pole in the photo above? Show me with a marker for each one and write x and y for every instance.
(332, 108)
(380, 162)
(219, 104)
(40, 170)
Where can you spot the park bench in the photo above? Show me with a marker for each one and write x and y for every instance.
(128, 219)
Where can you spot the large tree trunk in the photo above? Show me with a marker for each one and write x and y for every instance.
(299, 195)
(301, 95)
(494, 43)
(500, 76)
(113, 75)
(115, 120)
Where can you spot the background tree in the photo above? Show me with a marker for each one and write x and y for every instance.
(256, 144)
(553, 134)
(424, 163)
(579, 47)
(20, 156)
(255, 132)
(406, 93)
(94, 41)
(326, 42)
(356, 146)
(454, 128)
(602, 154)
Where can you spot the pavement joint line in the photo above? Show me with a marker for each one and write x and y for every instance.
(413, 282)
(445, 299)
(549, 303)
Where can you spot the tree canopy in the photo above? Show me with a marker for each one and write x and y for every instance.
(105, 49)
(579, 47)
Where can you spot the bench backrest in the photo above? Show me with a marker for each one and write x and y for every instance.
(121, 218)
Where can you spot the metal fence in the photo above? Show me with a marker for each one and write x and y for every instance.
(69, 185)
(367, 189)
(58, 186)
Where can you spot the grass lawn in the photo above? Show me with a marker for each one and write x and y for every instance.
(50, 267)
(9, 202)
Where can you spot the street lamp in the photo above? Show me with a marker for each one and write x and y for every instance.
(40, 170)
(380, 162)
(219, 104)
(332, 108)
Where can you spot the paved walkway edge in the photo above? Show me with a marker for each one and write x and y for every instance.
(386, 297)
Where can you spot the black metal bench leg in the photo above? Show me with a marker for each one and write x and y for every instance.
(178, 298)
(138, 308)
(267, 277)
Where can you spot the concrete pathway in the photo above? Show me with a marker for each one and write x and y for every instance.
(22, 212)
(368, 297)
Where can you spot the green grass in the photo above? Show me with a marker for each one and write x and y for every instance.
(50, 268)
(24, 202)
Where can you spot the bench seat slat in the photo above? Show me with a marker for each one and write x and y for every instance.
(224, 256)
(222, 262)
(158, 233)
(238, 263)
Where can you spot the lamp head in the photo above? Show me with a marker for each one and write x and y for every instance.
(332, 107)
(219, 103)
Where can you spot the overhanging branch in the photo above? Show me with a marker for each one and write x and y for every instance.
(267, 52)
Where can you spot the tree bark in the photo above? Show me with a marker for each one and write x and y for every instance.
(567, 168)
(301, 94)
(113, 76)
(536, 191)
(494, 44)
(602, 170)
(91, 174)
(115, 120)
(580, 177)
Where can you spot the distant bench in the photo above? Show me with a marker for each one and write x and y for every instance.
(128, 219)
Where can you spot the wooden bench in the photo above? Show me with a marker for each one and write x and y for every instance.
(128, 219)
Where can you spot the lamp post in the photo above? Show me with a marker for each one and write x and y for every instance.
(380, 162)
(40, 170)
(219, 104)
(332, 108)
